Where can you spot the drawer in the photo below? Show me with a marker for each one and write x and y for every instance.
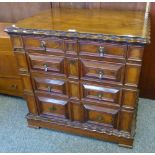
(49, 63)
(52, 106)
(101, 115)
(102, 70)
(51, 84)
(49, 44)
(100, 92)
(11, 86)
(97, 49)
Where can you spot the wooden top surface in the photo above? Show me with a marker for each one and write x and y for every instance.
(91, 21)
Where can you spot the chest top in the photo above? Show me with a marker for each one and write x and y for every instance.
(100, 24)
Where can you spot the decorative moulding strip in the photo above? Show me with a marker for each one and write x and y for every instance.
(104, 37)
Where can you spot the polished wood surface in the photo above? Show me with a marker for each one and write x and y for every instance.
(81, 85)
(10, 82)
(101, 21)
(147, 78)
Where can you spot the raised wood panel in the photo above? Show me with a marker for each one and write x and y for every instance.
(100, 92)
(132, 74)
(12, 86)
(98, 49)
(52, 106)
(74, 89)
(26, 80)
(8, 64)
(101, 115)
(73, 67)
(51, 44)
(129, 98)
(126, 120)
(77, 111)
(50, 84)
(44, 63)
(102, 70)
(21, 60)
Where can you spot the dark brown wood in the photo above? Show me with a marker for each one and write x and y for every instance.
(147, 78)
(79, 84)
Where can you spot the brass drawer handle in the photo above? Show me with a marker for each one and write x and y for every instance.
(45, 67)
(49, 89)
(100, 96)
(101, 51)
(100, 74)
(13, 86)
(99, 118)
(53, 108)
(43, 44)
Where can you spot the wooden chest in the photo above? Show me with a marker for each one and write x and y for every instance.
(10, 82)
(83, 83)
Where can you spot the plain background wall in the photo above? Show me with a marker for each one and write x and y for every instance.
(14, 11)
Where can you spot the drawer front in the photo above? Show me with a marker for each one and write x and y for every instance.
(52, 106)
(50, 84)
(11, 86)
(102, 70)
(100, 92)
(47, 63)
(50, 44)
(102, 49)
(101, 115)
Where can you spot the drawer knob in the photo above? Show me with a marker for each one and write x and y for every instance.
(45, 67)
(100, 96)
(100, 74)
(43, 44)
(53, 108)
(49, 89)
(101, 51)
(13, 86)
(99, 118)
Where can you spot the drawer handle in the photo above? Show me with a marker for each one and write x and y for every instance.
(99, 118)
(45, 67)
(101, 51)
(100, 74)
(43, 44)
(53, 108)
(13, 86)
(49, 88)
(100, 96)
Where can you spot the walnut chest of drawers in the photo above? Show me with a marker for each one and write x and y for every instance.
(78, 82)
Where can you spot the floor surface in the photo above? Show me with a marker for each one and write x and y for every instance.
(15, 136)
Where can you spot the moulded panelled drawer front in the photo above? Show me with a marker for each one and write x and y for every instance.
(102, 70)
(52, 85)
(40, 43)
(52, 106)
(101, 93)
(102, 49)
(101, 115)
(11, 85)
(49, 63)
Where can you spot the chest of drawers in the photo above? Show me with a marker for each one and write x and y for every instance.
(82, 83)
